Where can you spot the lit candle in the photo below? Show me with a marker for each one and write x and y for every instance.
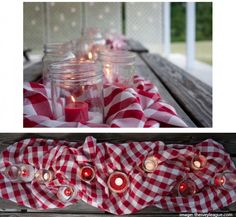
(219, 181)
(76, 111)
(150, 164)
(66, 193)
(87, 173)
(44, 176)
(198, 162)
(187, 187)
(118, 182)
(90, 56)
(26, 173)
(108, 73)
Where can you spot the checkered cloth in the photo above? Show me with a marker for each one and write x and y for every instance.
(145, 189)
(141, 106)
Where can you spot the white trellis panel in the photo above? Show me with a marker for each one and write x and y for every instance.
(33, 25)
(144, 23)
(106, 16)
(64, 20)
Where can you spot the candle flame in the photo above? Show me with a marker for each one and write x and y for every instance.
(73, 98)
(90, 55)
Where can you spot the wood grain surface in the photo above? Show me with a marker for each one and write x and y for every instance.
(143, 70)
(136, 46)
(194, 96)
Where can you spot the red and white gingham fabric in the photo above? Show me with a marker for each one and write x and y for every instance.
(145, 189)
(141, 106)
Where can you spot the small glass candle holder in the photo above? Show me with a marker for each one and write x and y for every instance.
(27, 172)
(66, 193)
(44, 176)
(13, 173)
(186, 188)
(226, 180)
(150, 164)
(87, 173)
(118, 182)
(118, 67)
(198, 162)
(77, 92)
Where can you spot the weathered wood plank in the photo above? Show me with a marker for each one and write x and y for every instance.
(143, 70)
(136, 46)
(80, 207)
(227, 139)
(194, 96)
(33, 72)
(107, 215)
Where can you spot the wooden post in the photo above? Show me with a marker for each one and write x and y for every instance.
(167, 28)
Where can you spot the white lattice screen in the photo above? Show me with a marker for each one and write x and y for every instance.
(62, 21)
(106, 16)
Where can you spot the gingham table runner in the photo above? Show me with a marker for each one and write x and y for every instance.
(141, 106)
(145, 189)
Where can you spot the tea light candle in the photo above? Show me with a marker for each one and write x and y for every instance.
(150, 164)
(187, 187)
(118, 182)
(226, 180)
(198, 162)
(26, 173)
(87, 173)
(76, 111)
(65, 193)
(219, 181)
(44, 176)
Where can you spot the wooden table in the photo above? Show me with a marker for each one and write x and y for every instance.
(191, 98)
(81, 209)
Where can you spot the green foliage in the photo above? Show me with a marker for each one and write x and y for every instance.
(203, 21)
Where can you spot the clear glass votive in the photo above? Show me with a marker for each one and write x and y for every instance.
(77, 92)
(118, 67)
(150, 164)
(66, 193)
(198, 162)
(118, 182)
(55, 52)
(44, 176)
(225, 180)
(186, 188)
(20, 173)
(87, 173)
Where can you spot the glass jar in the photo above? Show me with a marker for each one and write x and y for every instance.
(118, 67)
(225, 180)
(77, 91)
(90, 44)
(55, 52)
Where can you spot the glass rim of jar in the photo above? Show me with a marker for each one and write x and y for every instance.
(53, 47)
(77, 70)
(117, 56)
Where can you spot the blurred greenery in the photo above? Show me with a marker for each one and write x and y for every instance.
(203, 21)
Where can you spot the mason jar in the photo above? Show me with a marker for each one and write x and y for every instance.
(55, 52)
(118, 66)
(77, 91)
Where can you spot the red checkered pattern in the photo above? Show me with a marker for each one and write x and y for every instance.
(141, 106)
(145, 189)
